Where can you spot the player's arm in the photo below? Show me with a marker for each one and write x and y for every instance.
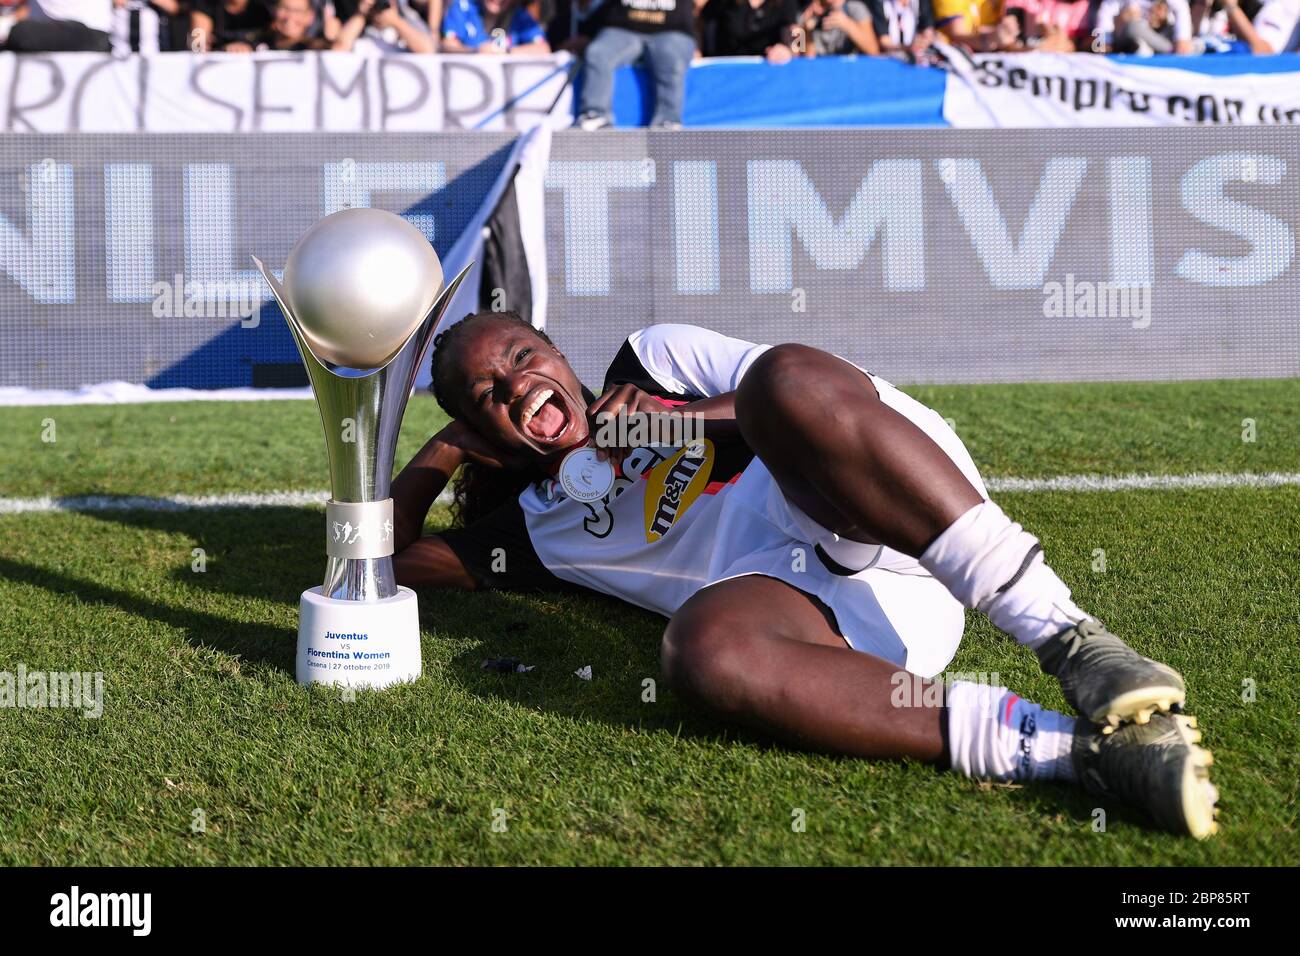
(701, 366)
(719, 414)
(429, 561)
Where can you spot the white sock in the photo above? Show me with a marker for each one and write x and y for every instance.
(992, 564)
(995, 735)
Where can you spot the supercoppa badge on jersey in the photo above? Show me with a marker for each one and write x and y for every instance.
(584, 477)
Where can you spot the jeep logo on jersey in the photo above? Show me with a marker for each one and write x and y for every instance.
(673, 485)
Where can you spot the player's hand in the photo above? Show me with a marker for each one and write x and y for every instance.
(624, 399)
(471, 444)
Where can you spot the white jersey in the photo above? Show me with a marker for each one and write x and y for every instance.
(673, 524)
(649, 541)
(1278, 25)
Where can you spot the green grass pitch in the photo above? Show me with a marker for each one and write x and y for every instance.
(202, 712)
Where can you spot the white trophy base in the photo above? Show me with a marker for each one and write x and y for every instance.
(358, 643)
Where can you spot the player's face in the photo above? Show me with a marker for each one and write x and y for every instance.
(518, 392)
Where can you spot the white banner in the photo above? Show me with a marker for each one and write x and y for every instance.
(1051, 89)
(281, 93)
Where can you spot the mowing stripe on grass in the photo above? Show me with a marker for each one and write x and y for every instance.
(298, 499)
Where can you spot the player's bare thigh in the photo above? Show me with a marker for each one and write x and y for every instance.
(760, 652)
(740, 616)
(787, 372)
(849, 461)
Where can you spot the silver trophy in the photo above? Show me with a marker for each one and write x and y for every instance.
(363, 294)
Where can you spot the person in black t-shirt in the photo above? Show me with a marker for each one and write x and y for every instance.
(663, 31)
(215, 23)
(903, 26)
(290, 29)
(751, 28)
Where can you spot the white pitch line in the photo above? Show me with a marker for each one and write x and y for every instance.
(272, 499)
(1212, 479)
(299, 499)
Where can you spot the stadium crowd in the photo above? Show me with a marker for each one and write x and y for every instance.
(667, 34)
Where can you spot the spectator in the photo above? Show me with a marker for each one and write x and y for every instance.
(431, 12)
(972, 23)
(491, 26)
(903, 26)
(145, 26)
(543, 11)
(62, 26)
(660, 30)
(836, 27)
(290, 29)
(1009, 35)
(216, 23)
(1145, 26)
(381, 26)
(11, 11)
(574, 25)
(1055, 26)
(763, 28)
(1276, 28)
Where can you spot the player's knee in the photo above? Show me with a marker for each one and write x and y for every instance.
(700, 658)
(793, 391)
(769, 396)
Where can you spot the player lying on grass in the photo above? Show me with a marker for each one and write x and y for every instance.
(828, 538)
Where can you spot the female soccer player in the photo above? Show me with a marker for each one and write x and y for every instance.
(813, 562)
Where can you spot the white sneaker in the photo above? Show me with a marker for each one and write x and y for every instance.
(592, 121)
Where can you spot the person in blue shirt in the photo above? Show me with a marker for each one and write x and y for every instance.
(491, 26)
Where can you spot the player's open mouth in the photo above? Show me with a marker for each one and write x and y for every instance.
(545, 416)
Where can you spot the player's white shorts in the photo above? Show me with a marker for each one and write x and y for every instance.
(892, 608)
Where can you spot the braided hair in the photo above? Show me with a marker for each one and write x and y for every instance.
(477, 490)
